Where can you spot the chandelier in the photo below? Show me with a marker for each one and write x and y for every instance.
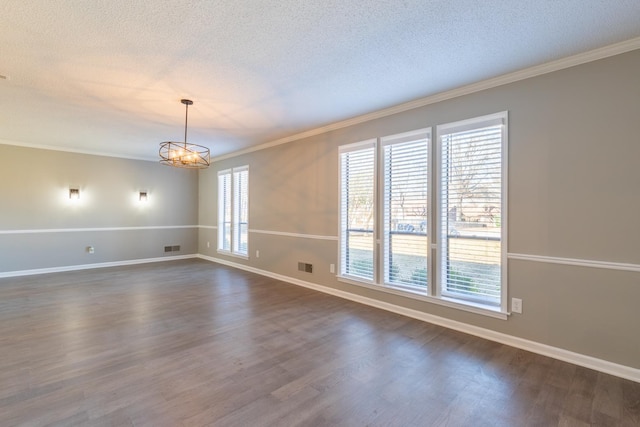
(183, 154)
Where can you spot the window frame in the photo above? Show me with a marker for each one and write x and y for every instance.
(222, 209)
(235, 213)
(386, 141)
(433, 293)
(501, 118)
(343, 231)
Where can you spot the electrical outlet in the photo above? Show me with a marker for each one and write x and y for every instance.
(208, 244)
(332, 268)
(516, 305)
(257, 254)
(90, 249)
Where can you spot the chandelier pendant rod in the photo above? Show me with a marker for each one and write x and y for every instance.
(186, 102)
(186, 117)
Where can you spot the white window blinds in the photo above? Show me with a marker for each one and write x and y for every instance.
(405, 195)
(357, 210)
(240, 210)
(429, 220)
(471, 194)
(233, 210)
(224, 210)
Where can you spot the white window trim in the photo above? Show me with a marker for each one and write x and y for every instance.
(356, 146)
(504, 218)
(231, 252)
(221, 212)
(468, 306)
(433, 294)
(501, 118)
(425, 133)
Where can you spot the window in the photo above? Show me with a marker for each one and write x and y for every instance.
(405, 230)
(233, 210)
(357, 210)
(471, 192)
(224, 211)
(399, 191)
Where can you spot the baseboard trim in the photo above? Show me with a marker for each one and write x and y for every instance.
(590, 362)
(18, 273)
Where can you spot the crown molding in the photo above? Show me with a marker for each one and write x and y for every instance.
(526, 73)
(73, 150)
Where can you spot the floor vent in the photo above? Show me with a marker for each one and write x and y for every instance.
(307, 268)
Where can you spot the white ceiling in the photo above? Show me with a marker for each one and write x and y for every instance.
(107, 76)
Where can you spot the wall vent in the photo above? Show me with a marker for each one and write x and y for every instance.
(307, 268)
(167, 249)
(175, 248)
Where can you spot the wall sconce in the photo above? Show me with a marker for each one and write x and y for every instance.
(74, 193)
(144, 196)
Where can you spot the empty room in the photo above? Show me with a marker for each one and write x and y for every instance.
(357, 213)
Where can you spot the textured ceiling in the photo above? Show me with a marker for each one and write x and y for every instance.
(107, 76)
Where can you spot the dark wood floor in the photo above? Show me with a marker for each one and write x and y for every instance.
(192, 343)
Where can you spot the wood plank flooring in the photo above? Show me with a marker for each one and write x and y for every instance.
(192, 343)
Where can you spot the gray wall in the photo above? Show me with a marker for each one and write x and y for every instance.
(574, 148)
(573, 193)
(34, 189)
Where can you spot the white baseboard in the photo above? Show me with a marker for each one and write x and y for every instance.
(18, 273)
(604, 366)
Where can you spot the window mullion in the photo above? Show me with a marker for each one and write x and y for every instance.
(504, 214)
(232, 201)
(432, 209)
(378, 234)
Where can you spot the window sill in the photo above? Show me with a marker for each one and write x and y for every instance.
(476, 308)
(231, 254)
